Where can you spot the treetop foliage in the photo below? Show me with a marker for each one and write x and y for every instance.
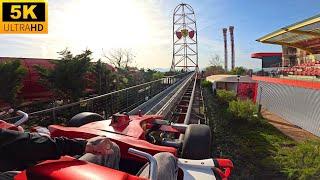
(214, 69)
(67, 78)
(239, 71)
(104, 78)
(75, 76)
(11, 76)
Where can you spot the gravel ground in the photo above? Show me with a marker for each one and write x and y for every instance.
(294, 132)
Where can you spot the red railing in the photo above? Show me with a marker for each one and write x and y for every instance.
(290, 82)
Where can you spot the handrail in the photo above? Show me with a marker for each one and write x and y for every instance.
(24, 118)
(153, 173)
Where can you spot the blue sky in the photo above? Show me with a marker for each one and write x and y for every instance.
(145, 27)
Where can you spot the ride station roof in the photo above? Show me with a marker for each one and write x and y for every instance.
(229, 78)
(265, 54)
(304, 35)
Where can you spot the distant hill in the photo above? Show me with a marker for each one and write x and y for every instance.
(168, 69)
(162, 69)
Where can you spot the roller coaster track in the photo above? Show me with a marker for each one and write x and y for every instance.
(180, 103)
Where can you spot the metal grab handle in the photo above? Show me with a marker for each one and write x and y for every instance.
(7, 112)
(24, 118)
(153, 172)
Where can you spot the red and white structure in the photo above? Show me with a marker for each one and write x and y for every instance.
(231, 28)
(224, 30)
(185, 45)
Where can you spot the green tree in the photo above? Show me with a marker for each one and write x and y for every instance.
(171, 73)
(104, 78)
(11, 75)
(122, 78)
(206, 84)
(150, 75)
(157, 75)
(147, 74)
(67, 78)
(239, 71)
(215, 69)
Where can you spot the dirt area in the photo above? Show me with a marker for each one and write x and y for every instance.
(294, 132)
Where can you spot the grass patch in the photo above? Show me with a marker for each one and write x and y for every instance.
(252, 145)
(257, 149)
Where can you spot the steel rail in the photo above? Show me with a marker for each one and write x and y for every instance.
(148, 106)
(173, 100)
(188, 114)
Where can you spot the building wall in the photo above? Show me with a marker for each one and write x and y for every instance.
(298, 105)
(244, 90)
(273, 61)
(227, 86)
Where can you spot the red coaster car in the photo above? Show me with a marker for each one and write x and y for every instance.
(139, 137)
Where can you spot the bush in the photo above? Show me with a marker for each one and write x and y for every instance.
(157, 75)
(301, 161)
(224, 96)
(243, 109)
(11, 77)
(206, 84)
(238, 71)
(215, 69)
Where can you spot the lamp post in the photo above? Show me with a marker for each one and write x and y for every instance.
(238, 80)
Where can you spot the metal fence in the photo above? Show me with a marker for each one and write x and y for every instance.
(299, 106)
(107, 104)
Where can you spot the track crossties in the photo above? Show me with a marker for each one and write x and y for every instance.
(189, 108)
(181, 102)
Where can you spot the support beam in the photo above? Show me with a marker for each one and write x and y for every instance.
(291, 45)
(316, 34)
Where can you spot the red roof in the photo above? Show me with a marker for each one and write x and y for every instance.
(32, 89)
(265, 54)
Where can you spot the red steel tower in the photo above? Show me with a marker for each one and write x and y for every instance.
(185, 46)
(231, 28)
(224, 30)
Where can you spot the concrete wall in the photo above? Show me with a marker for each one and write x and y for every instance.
(297, 105)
